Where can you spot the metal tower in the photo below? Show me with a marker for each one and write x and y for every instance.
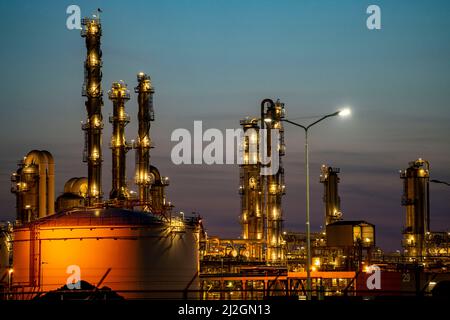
(416, 200)
(330, 179)
(261, 195)
(119, 95)
(143, 177)
(92, 89)
(275, 187)
(250, 188)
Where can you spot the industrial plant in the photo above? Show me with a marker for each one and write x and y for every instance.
(138, 246)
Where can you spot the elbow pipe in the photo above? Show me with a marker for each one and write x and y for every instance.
(263, 104)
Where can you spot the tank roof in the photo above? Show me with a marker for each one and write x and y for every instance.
(98, 217)
(351, 223)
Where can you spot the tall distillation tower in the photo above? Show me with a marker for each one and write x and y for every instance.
(261, 194)
(275, 187)
(119, 94)
(143, 176)
(330, 179)
(416, 200)
(250, 189)
(92, 89)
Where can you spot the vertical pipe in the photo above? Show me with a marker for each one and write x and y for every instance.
(145, 92)
(119, 95)
(50, 182)
(308, 228)
(93, 91)
(51, 185)
(42, 187)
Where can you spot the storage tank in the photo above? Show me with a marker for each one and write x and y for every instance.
(149, 256)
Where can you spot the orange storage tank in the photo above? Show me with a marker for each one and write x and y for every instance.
(148, 256)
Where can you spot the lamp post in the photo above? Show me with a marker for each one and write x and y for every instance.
(344, 112)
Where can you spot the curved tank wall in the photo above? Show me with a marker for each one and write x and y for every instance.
(5, 252)
(144, 253)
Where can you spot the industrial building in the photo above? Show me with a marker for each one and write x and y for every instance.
(137, 246)
(132, 244)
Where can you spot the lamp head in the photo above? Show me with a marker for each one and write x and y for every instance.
(344, 112)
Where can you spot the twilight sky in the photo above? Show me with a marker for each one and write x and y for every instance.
(215, 61)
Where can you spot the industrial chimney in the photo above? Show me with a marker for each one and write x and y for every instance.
(119, 95)
(93, 91)
(143, 144)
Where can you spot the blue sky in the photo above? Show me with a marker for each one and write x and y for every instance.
(215, 61)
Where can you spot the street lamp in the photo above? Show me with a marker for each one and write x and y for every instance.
(342, 113)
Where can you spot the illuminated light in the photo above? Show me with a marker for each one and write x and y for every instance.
(367, 240)
(93, 59)
(95, 154)
(316, 262)
(267, 120)
(345, 112)
(27, 206)
(94, 191)
(275, 213)
(274, 241)
(234, 253)
(313, 269)
(273, 188)
(93, 28)
(10, 271)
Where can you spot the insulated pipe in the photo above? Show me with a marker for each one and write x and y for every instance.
(50, 183)
(157, 190)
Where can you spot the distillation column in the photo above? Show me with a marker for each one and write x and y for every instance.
(143, 144)
(119, 95)
(93, 91)
(275, 187)
(416, 200)
(250, 189)
(330, 179)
